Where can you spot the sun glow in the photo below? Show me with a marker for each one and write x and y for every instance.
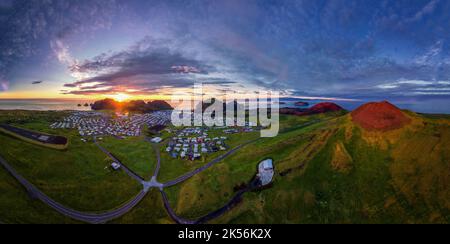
(120, 97)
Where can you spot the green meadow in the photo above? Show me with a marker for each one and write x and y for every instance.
(379, 186)
(136, 153)
(328, 170)
(79, 177)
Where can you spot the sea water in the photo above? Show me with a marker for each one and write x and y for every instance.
(43, 104)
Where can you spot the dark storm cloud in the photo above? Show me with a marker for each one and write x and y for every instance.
(309, 47)
(140, 69)
(129, 64)
(37, 82)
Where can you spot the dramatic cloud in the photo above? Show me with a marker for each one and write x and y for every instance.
(138, 69)
(338, 48)
(185, 69)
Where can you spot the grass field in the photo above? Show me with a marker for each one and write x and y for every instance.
(134, 152)
(213, 188)
(173, 168)
(78, 177)
(17, 207)
(149, 211)
(374, 189)
(330, 171)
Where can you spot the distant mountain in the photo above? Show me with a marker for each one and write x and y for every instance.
(133, 106)
(106, 104)
(380, 116)
(324, 108)
(316, 109)
(301, 104)
(158, 105)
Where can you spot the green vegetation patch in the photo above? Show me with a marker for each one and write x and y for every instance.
(134, 152)
(79, 178)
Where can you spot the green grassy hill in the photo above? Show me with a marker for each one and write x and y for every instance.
(334, 172)
(328, 170)
(78, 177)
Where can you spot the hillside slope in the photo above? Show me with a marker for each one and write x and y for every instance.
(329, 169)
(336, 171)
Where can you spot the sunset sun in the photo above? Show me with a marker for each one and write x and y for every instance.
(120, 97)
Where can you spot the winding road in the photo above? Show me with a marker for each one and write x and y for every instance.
(81, 216)
(207, 166)
(158, 158)
(215, 214)
(172, 213)
(98, 218)
(127, 170)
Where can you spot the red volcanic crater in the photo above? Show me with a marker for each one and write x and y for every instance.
(380, 116)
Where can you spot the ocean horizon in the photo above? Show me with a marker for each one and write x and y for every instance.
(436, 106)
(55, 104)
(45, 104)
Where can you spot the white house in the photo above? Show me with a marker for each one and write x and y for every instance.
(115, 166)
(156, 140)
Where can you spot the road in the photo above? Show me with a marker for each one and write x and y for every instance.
(108, 216)
(127, 170)
(237, 198)
(158, 161)
(172, 213)
(81, 216)
(228, 206)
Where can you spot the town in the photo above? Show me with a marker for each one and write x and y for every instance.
(192, 142)
(103, 124)
(188, 143)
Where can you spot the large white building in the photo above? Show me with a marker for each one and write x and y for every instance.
(266, 172)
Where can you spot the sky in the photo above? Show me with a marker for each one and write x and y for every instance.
(359, 50)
